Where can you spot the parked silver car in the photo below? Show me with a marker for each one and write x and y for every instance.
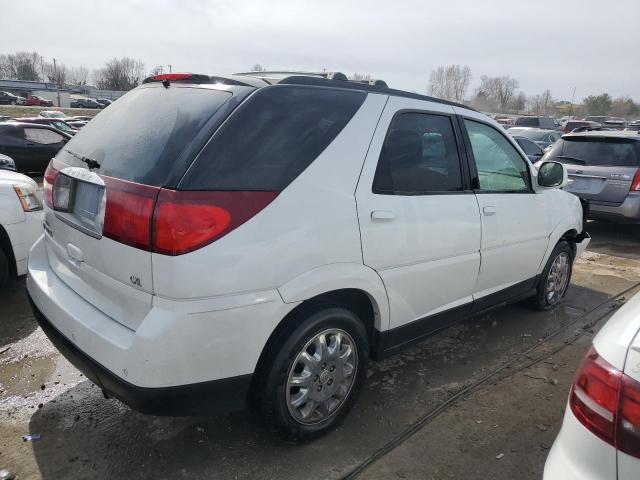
(604, 167)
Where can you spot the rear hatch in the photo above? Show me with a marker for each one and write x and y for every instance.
(101, 189)
(601, 169)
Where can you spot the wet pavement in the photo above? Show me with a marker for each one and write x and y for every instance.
(83, 435)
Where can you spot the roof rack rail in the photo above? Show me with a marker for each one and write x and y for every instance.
(282, 74)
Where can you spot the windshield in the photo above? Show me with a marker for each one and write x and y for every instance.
(594, 151)
(144, 135)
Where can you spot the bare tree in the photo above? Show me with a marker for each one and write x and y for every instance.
(542, 104)
(519, 102)
(258, 68)
(450, 82)
(20, 66)
(623, 107)
(498, 91)
(56, 73)
(360, 77)
(78, 75)
(119, 74)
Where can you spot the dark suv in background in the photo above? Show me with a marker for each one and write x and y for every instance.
(604, 167)
(536, 122)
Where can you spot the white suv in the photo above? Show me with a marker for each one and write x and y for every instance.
(213, 240)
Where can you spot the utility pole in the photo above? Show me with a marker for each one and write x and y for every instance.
(42, 67)
(55, 73)
(571, 106)
(169, 68)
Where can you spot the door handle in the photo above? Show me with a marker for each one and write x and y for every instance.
(382, 215)
(489, 210)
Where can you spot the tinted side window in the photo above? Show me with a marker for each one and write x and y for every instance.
(272, 138)
(419, 155)
(500, 166)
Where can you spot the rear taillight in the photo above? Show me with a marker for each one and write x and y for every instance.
(50, 175)
(185, 221)
(607, 403)
(173, 222)
(128, 212)
(635, 183)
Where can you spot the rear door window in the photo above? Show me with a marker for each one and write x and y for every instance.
(419, 156)
(147, 133)
(42, 136)
(272, 138)
(597, 151)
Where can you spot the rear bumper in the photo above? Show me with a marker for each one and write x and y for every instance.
(627, 211)
(185, 357)
(577, 454)
(218, 396)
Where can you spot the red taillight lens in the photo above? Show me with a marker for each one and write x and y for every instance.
(628, 428)
(173, 222)
(128, 212)
(635, 183)
(185, 221)
(607, 403)
(594, 396)
(50, 175)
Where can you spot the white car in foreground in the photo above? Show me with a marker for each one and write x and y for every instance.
(20, 220)
(600, 436)
(212, 240)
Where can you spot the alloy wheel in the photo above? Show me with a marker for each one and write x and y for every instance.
(321, 376)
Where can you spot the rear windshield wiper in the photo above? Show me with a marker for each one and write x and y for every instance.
(572, 159)
(91, 163)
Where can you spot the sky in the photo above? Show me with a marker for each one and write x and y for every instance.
(591, 45)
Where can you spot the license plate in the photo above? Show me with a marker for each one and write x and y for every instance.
(84, 192)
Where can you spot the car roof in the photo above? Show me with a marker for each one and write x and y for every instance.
(606, 133)
(339, 80)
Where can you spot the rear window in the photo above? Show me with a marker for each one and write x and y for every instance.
(272, 138)
(145, 134)
(593, 151)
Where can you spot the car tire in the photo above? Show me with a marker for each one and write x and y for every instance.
(555, 278)
(4, 269)
(330, 376)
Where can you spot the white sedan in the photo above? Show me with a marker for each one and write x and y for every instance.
(600, 436)
(20, 219)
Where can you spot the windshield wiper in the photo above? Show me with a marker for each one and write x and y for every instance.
(572, 159)
(91, 163)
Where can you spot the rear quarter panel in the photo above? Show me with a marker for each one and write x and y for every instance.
(312, 223)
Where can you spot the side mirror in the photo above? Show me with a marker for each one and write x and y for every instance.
(552, 175)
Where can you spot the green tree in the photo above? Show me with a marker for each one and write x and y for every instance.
(598, 104)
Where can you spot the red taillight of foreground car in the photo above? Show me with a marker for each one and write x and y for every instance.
(607, 403)
(128, 212)
(187, 220)
(50, 175)
(174, 222)
(635, 183)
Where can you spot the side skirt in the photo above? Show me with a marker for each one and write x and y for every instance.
(385, 344)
